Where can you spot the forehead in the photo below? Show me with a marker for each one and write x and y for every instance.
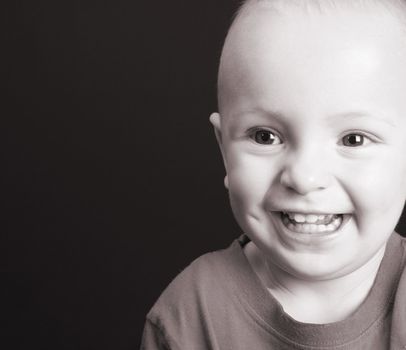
(269, 51)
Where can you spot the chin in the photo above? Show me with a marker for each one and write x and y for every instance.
(312, 266)
(316, 273)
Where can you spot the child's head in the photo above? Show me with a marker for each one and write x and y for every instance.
(312, 127)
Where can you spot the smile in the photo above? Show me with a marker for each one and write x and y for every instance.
(312, 223)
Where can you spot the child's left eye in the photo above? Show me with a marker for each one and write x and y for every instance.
(355, 140)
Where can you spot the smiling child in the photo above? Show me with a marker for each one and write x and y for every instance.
(312, 129)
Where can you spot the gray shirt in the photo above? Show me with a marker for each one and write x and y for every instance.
(218, 302)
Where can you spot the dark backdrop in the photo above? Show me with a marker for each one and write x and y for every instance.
(112, 178)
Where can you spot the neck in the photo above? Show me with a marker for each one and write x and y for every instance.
(315, 301)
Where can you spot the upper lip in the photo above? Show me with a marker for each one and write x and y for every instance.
(309, 212)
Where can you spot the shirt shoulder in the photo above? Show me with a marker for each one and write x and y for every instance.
(398, 336)
(195, 300)
(199, 281)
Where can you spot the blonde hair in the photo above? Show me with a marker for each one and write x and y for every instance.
(396, 8)
(323, 5)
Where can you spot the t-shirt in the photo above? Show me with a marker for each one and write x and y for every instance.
(218, 302)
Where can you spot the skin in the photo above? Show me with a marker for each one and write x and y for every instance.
(309, 80)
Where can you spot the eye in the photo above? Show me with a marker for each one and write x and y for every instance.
(266, 137)
(354, 140)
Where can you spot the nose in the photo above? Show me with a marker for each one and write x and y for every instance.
(306, 171)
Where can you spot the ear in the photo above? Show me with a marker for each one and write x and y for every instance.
(215, 119)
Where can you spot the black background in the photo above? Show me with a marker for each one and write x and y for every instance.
(113, 180)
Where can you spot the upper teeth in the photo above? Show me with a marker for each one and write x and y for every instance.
(308, 218)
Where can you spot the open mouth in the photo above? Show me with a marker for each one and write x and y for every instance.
(312, 223)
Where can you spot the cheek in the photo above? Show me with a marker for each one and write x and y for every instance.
(249, 179)
(378, 186)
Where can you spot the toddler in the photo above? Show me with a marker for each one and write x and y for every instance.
(312, 129)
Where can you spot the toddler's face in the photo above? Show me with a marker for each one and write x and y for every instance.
(313, 132)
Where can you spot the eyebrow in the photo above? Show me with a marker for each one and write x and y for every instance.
(362, 115)
(263, 112)
(333, 118)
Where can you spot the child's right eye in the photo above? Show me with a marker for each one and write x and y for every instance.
(266, 137)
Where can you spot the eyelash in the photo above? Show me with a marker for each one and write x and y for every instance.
(356, 133)
(254, 134)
